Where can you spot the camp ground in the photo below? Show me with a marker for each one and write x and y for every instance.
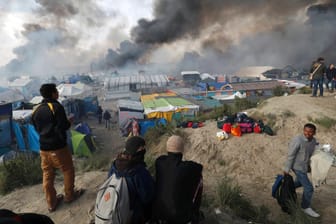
(19, 135)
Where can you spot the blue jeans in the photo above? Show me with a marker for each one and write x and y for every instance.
(302, 180)
(317, 83)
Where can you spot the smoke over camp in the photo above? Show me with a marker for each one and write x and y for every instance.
(208, 35)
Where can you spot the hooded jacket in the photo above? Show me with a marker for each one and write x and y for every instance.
(51, 125)
(176, 184)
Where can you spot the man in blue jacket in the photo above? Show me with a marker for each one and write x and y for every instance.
(130, 163)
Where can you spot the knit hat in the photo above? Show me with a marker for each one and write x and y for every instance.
(175, 144)
(133, 144)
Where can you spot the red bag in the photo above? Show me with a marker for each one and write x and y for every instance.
(227, 127)
(257, 128)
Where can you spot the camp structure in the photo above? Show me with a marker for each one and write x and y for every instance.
(82, 144)
(191, 77)
(27, 86)
(74, 91)
(139, 82)
(8, 95)
(5, 128)
(129, 109)
(169, 106)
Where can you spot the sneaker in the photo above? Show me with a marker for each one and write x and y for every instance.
(311, 212)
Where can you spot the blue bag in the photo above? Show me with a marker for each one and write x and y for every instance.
(276, 185)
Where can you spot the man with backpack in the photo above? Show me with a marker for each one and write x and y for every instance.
(129, 178)
(301, 148)
(51, 122)
(178, 186)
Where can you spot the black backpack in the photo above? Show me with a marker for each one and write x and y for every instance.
(286, 194)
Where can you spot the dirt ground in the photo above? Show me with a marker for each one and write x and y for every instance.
(253, 160)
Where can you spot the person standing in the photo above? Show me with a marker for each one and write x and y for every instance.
(130, 163)
(107, 117)
(100, 114)
(331, 76)
(301, 149)
(51, 123)
(178, 186)
(318, 70)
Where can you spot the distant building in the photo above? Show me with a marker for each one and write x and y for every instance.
(190, 78)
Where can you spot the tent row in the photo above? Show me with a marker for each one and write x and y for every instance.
(135, 82)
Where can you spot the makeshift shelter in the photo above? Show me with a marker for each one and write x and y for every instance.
(29, 87)
(144, 125)
(129, 109)
(5, 127)
(168, 106)
(82, 145)
(135, 82)
(8, 95)
(77, 90)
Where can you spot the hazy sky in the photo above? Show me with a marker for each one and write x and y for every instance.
(120, 15)
(64, 36)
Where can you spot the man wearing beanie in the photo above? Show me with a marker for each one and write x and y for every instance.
(130, 163)
(178, 186)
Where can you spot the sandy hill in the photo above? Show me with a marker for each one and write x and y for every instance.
(252, 160)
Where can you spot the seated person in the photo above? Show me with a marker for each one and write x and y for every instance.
(140, 183)
(178, 186)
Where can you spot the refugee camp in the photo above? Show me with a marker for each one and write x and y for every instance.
(167, 112)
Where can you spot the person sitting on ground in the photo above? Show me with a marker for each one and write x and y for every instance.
(178, 186)
(130, 163)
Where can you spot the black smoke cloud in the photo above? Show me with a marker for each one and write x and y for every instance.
(273, 23)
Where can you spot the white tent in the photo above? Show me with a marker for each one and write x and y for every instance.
(77, 90)
(10, 95)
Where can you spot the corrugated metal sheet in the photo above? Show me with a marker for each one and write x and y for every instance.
(261, 85)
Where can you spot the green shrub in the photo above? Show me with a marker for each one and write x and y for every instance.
(325, 121)
(241, 104)
(230, 195)
(19, 172)
(98, 161)
(288, 113)
(279, 91)
(305, 90)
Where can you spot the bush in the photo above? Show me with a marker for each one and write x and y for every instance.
(230, 195)
(279, 91)
(325, 121)
(98, 161)
(20, 171)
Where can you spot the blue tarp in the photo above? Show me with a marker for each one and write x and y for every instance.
(5, 125)
(19, 136)
(90, 104)
(146, 124)
(33, 138)
(83, 128)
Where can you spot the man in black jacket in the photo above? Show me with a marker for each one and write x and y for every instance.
(178, 186)
(50, 121)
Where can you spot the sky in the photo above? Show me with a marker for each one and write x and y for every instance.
(46, 37)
